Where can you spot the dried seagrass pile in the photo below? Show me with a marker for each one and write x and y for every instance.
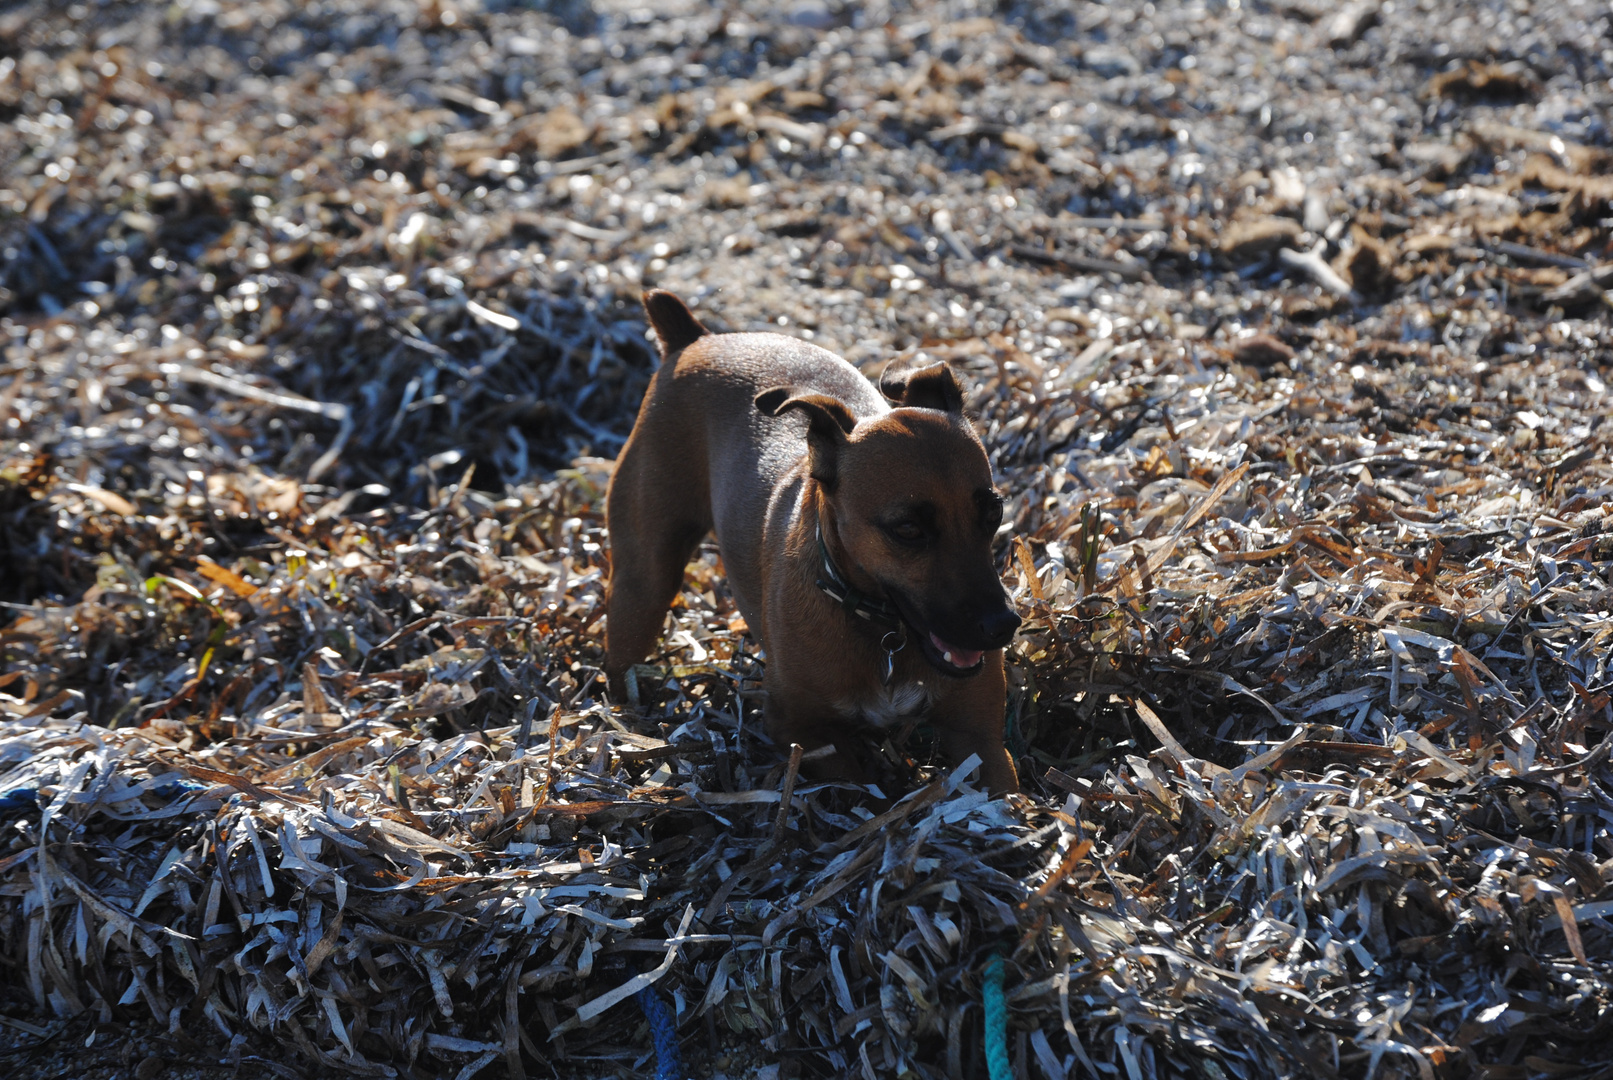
(1282, 327)
(1406, 874)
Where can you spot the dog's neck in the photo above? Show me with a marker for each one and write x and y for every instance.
(863, 604)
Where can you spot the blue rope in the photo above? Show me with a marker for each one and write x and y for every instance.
(19, 798)
(27, 798)
(996, 1007)
(664, 1033)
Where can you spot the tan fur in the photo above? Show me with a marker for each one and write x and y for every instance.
(705, 455)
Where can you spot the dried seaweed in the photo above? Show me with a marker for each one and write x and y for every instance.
(309, 398)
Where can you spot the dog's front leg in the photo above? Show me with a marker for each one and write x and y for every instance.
(968, 720)
(815, 730)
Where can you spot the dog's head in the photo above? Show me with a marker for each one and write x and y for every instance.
(913, 508)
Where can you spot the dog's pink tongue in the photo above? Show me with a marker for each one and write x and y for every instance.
(962, 658)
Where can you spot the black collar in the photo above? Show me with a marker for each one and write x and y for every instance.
(853, 601)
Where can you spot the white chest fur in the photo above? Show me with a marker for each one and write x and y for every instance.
(888, 706)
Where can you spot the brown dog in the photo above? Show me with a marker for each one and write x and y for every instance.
(856, 536)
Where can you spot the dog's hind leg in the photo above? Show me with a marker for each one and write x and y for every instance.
(653, 533)
(646, 572)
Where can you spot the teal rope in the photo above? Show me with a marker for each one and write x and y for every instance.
(996, 1022)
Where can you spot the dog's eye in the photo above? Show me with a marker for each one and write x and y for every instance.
(991, 512)
(906, 532)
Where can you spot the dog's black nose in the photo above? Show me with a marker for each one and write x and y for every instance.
(999, 626)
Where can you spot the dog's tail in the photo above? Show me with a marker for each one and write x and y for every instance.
(674, 324)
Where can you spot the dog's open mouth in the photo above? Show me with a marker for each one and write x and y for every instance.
(951, 659)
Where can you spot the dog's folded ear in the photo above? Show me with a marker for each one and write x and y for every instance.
(828, 424)
(825, 412)
(674, 324)
(933, 387)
